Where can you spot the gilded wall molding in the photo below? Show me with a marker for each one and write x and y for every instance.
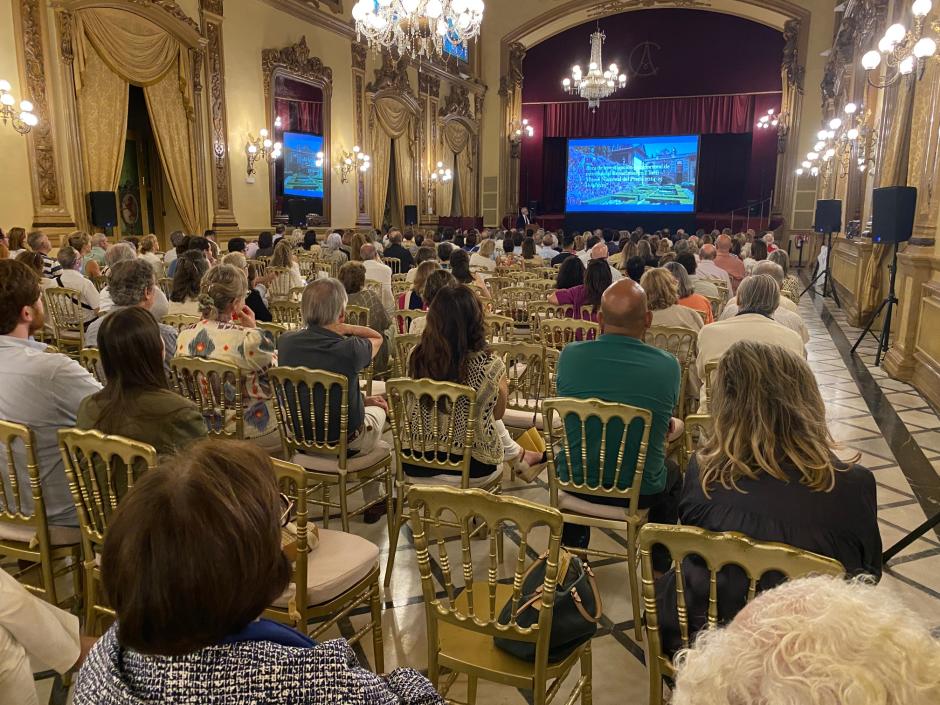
(457, 103)
(309, 11)
(392, 77)
(359, 54)
(295, 60)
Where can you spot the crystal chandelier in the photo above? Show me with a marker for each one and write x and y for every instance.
(597, 83)
(418, 27)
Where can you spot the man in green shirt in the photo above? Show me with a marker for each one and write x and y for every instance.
(620, 367)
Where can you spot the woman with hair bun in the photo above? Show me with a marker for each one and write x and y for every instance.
(227, 333)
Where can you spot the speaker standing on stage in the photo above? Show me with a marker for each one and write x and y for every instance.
(523, 220)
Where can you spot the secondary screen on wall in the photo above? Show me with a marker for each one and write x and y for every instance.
(632, 175)
(302, 176)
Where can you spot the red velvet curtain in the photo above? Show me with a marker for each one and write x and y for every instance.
(651, 116)
(300, 115)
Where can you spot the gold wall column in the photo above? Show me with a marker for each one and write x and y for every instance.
(510, 91)
(359, 55)
(429, 93)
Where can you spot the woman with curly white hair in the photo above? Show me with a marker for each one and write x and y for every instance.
(814, 641)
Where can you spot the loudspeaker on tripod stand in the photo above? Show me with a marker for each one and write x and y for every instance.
(827, 220)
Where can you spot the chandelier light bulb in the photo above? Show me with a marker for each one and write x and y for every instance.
(30, 119)
(814, 171)
(920, 8)
(806, 165)
(566, 82)
(906, 65)
(818, 146)
(871, 60)
(850, 108)
(830, 153)
(925, 47)
(263, 132)
(895, 33)
(623, 79)
(799, 172)
(812, 156)
(409, 6)
(830, 134)
(822, 134)
(267, 144)
(7, 99)
(26, 106)
(459, 5)
(440, 165)
(885, 45)
(592, 66)
(576, 69)
(852, 134)
(252, 149)
(835, 124)
(277, 146)
(5, 86)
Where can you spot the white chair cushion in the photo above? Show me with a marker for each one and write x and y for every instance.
(576, 505)
(58, 535)
(453, 479)
(513, 418)
(378, 388)
(340, 561)
(330, 463)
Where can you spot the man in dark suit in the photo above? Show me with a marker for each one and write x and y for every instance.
(523, 220)
(396, 250)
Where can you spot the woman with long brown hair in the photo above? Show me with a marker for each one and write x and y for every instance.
(769, 469)
(453, 348)
(136, 401)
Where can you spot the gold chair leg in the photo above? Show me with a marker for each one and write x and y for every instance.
(389, 502)
(375, 604)
(90, 602)
(326, 506)
(587, 674)
(343, 503)
(393, 535)
(634, 583)
(471, 690)
(656, 684)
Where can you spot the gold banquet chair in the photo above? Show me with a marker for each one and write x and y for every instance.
(25, 533)
(716, 550)
(404, 344)
(575, 418)
(528, 367)
(392, 263)
(179, 321)
(90, 359)
(100, 469)
(359, 316)
(682, 343)
(287, 313)
(334, 580)
(499, 329)
(428, 435)
(64, 312)
(697, 428)
(275, 329)
(558, 332)
(166, 285)
(462, 623)
(280, 286)
(306, 424)
(217, 388)
(404, 318)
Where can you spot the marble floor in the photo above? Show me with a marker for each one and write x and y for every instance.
(888, 422)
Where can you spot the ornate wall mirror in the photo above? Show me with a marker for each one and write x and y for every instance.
(298, 89)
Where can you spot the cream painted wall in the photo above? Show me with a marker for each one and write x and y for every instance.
(246, 31)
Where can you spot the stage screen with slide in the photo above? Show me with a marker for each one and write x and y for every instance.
(302, 176)
(632, 175)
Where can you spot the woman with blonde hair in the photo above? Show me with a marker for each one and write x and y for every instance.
(358, 240)
(148, 253)
(283, 257)
(414, 300)
(662, 295)
(81, 243)
(769, 470)
(484, 258)
(227, 333)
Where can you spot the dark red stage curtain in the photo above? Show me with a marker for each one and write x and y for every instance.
(300, 115)
(650, 116)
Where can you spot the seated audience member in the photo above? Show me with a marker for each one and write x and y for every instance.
(332, 250)
(663, 298)
(265, 245)
(378, 271)
(635, 268)
(81, 243)
(730, 263)
(784, 313)
(194, 244)
(227, 333)
(70, 277)
(39, 242)
(646, 377)
(16, 241)
(184, 298)
(40, 390)
(600, 252)
(686, 292)
(309, 243)
(132, 284)
(460, 268)
(700, 284)
(758, 254)
(237, 244)
(99, 248)
(352, 276)
(758, 298)
(257, 299)
(586, 295)
(645, 252)
(412, 300)
(570, 250)
(148, 253)
(425, 253)
(508, 256)
(707, 269)
(190, 630)
(530, 258)
(396, 250)
(122, 252)
(136, 401)
(176, 240)
(283, 257)
(444, 251)
(570, 274)
(548, 252)
(483, 259)
(801, 628)
(769, 470)
(590, 241)
(453, 348)
(437, 280)
(34, 636)
(791, 287)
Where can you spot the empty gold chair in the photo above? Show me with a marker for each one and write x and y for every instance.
(462, 623)
(90, 359)
(332, 581)
(261, 265)
(64, 312)
(715, 550)
(279, 287)
(287, 313)
(315, 438)
(405, 317)
(574, 469)
(393, 263)
(499, 329)
(404, 344)
(179, 320)
(429, 435)
(558, 332)
(25, 534)
(100, 469)
(217, 389)
(100, 281)
(528, 367)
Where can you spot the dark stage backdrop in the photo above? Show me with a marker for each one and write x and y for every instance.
(690, 72)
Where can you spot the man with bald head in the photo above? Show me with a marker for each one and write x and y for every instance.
(729, 262)
(601, 251)
(707, 268)
(619, 367)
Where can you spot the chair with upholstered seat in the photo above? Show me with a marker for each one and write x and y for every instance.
(64, 312)
(499, 329)
(697, 428)
(574, 419)
(716, 550)
(463, 620)
(528, 367)
(318, 440)
(100, 469)
(279, 287)
(179, 320)
(405, 317)
(558, 332)
(339, 576)
(215, 387)
(404, 344)
(44, 552)
(90, 359)
(428, 435)
(287, 313)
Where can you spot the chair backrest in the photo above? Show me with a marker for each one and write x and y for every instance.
(697, 428)
(400, 287)
(216, 388)
(303, 399)
(90, 359)
(716, 550)
(513, 301)
(307, 267)
(101, 469)
(100, 281)
(357, 315)
(716, 304)
(179, 320)
(166, 285)
(293, 481)
(683, 344)
(275, 329)
(711, 367)
(296, 294)
(499, 328)
(261, 265)
(280, 286)
(558, 332)
(325, 268)
(543, 284)
(393, 262)
(16, 487)
(287, 313)
(64, 309)
(432, 424)
(620, 435)
(405, 317)
(528, 371)
(375, 285)
(434, 513)
(404, 344)
(494, 284)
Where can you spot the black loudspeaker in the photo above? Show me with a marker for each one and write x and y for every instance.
(103, 208)
(892, 214)
(411, 215)
(828, 216)
(533, 208)
(297, 209)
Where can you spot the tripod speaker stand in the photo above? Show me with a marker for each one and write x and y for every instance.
(826, 276)
(828, 219)
(890, 301)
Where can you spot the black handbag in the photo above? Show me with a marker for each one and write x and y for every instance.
(575, 615)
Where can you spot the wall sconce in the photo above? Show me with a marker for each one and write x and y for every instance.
(23, 120)
(846, 142)
(517, 131)
(440, 175)
(348, 161)
(262, 148)
(903, 49)
(768, 120)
